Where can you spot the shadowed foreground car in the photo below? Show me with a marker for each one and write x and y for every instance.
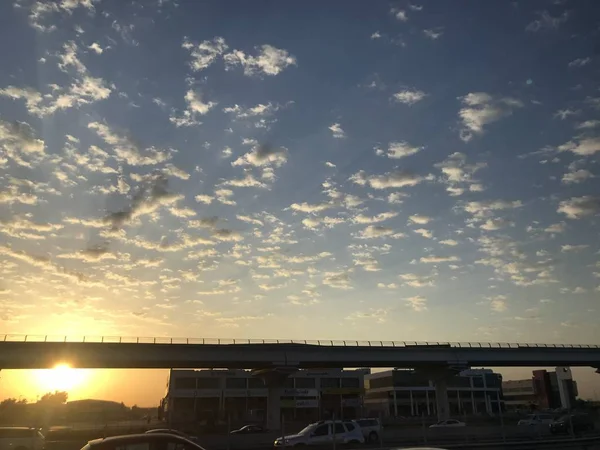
(146, 441)
(174, 432)
(572, 422)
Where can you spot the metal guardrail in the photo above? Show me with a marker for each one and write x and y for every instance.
(323, 342)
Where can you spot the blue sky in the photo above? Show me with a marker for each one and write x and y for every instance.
(361, 170)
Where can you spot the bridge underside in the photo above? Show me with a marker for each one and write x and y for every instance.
(39, 355)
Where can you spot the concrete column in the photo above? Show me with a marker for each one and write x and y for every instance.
(412, 406)
(395, 404)
(441, 399)
(274, 407)
(427, 400)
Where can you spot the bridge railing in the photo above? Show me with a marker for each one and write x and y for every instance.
(323, 342)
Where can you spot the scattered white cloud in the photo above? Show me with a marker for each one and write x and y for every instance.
(396, 179)
(205, 53)
(417, 303)
(579, 207)
(584, 146)
(563, 114)
(433, 33)
(573, 248)
(268, 61)
(96, 48)
(588, 124)
(449, 242)
(546, 21)
(423, 232)
(438, 259)
(376, 35)
(263, 155)
(398, 150)
(496, 224)
(409, 97)
(399, 14)
(481, 109)
(362, 219)
(336, 130)
(556, 228)
(377, 231)
(580, 62)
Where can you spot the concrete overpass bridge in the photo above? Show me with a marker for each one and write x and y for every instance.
(35, 352)
(273, 360)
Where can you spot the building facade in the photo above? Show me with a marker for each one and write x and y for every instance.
(544, 390)
(219, 394)
(409, 393)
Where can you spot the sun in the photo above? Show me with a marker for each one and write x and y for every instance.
(61, 378)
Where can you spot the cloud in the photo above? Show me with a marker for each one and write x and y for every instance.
(419, 219)
(310, 208)
(483, 209)
(579, 207)
(206, 199)
(378, 315)
(409, 97)
(546, 21)
(269, 61)
(362, 219)
(260, 110)
(387, 286)
(247, 181)
(396, 179)
(397, 150)
(337, 280)
(196, 106)
(563, 114)
(556, 228)
(126, 151)
(376, 35)
(449, 242)
(399, 14)
(573, 248)
(223, 196)
(433, 33)
(376, 231)
(481, 109)
(416, 281)
(495, 224)
(457, 172)
(588, 124)
(96, 48)
(205, 53)
(263, 155)
(337, 131)
(498, 303)
(438, 259)
(19, 143)
(585, 146)
(423, 232)
(417, 303)
(576, 176)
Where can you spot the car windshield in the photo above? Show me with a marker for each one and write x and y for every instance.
(218, 213)
(308, 429)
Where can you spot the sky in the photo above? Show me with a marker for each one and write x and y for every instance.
(420, 171)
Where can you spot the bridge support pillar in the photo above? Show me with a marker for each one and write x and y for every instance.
(441, 398)
(274, 378)
(439, 376)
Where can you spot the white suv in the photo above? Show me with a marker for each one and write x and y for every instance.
(21, 438)
(323, 432)
(537, 419)
(371, 429)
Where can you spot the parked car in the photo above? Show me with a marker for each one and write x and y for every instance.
(371, 429)
(249, 429)
(21, 438)
(449, 423)
(145, 441)
(323, 432)
(576, 422)
(536, 419)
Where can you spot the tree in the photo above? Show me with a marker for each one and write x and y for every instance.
(54, 398)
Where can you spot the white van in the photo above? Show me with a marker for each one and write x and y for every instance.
(537, 419)
(21, 438)
(323, 432)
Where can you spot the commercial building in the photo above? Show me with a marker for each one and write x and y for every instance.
(410, 393)
(544, 390)
(307, 395)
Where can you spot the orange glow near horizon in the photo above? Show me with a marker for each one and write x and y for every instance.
(61, 378)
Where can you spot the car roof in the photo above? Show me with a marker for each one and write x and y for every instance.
(17, 428)
(135, 437)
